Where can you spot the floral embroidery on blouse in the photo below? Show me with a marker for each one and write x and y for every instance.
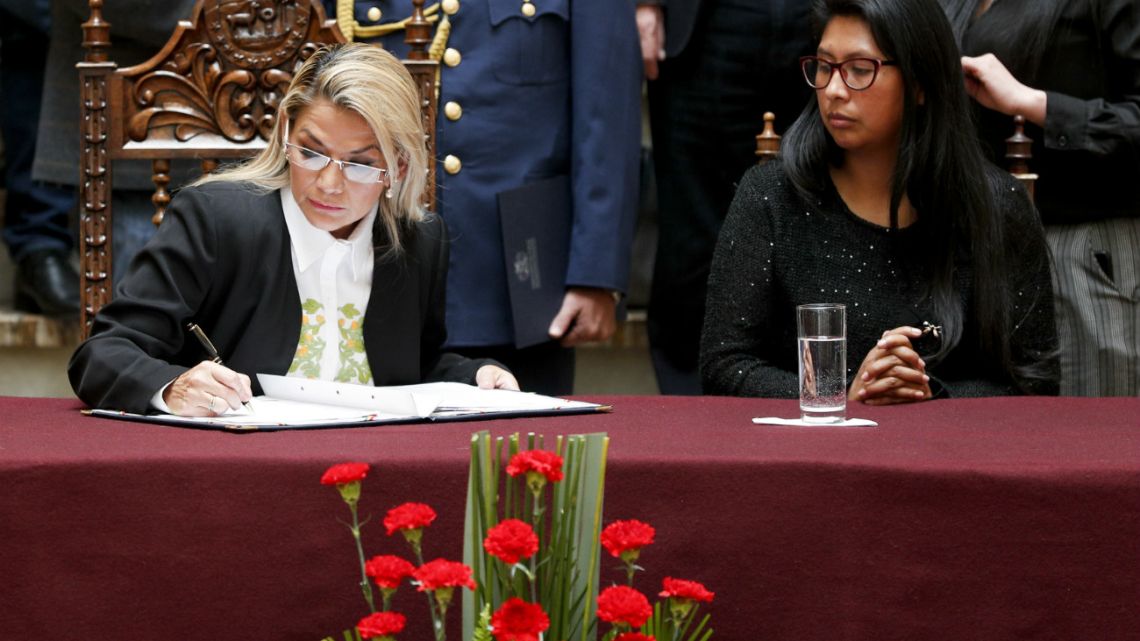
(353, 361)
(307, 359)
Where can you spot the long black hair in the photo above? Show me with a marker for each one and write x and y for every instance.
(940, 168)
(1029, 23)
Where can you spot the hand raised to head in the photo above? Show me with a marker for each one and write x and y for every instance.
(994, 87)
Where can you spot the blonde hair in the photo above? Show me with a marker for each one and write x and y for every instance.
(373, 83)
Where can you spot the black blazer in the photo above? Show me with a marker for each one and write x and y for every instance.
(680, 16)
(222, 258)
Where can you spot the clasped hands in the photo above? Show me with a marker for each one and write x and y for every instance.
(210, 389)
(892, 372)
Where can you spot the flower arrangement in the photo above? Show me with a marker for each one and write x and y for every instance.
(626, 608)
(438, 578)
(531, 550)
(531, 536)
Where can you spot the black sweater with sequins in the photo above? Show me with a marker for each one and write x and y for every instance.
(777, 250)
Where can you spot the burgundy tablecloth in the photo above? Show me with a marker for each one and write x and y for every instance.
(959, 519)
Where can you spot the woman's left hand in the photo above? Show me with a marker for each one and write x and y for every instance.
(892, 372)
(994, 87)
(495, 377)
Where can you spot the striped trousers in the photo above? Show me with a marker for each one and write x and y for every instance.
(1096, 281)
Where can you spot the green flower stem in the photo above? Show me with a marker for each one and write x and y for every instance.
(536, 524)
(436, 615)
(364, 585)
(533, 578)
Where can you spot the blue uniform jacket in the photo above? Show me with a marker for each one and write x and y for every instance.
(556, 93)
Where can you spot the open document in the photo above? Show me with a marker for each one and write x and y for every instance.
(299, 403)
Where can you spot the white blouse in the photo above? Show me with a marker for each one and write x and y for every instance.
(334, 279)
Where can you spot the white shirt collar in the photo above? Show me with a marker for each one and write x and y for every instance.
(310, 243)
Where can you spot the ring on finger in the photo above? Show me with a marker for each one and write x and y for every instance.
(213, 399)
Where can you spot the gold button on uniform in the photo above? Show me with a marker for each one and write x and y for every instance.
(374, 14)
(450, 7)
(452, 165)
(451, 57)
(528, 9)
(452, 110)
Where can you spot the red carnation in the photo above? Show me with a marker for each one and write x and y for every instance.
(384, 625)
(511, 540)
(622, 604)
(545, 463)
(441, 573)
(518, 620)
(388, 570)
(626, 538)
(344, 473)
(409, 516)
(634, 636)
(682, 589)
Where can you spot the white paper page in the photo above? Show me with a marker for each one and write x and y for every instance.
(462, 397)
(396, 401)
(272, 411)
(284, 412)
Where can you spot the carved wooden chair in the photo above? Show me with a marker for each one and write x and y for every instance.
(1018, 153)
(210, 94)
(767, 141)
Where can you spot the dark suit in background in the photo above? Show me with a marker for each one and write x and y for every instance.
(727, 62)
(36, 229)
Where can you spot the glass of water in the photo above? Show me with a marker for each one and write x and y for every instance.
(822, 332)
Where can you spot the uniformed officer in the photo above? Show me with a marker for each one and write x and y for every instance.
(529, 90)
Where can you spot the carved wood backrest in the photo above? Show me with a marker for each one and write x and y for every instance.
(210, 94)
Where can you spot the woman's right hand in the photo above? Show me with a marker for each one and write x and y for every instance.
(892, 372)
(207, 389)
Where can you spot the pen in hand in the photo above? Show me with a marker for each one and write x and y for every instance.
(211, 351)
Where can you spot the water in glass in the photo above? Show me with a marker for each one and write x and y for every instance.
(823, 379)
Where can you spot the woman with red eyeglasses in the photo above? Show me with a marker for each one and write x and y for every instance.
(881, 200)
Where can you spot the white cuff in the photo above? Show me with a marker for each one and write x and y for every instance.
(156, 401)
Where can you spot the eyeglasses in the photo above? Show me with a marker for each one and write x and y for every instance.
(306, 158)
(857, 73)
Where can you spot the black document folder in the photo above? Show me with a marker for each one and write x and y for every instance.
(535, 221)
